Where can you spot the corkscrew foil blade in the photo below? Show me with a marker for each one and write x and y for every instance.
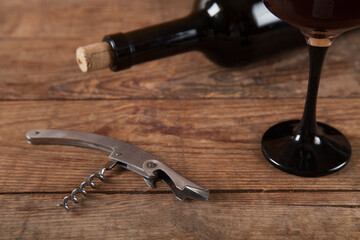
(128, 156)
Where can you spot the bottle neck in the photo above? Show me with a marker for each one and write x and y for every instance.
(156, 41)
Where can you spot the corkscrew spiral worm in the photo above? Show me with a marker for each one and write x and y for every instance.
(81, 189)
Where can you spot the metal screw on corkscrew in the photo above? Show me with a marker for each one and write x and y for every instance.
(124, 154)
(90, 183)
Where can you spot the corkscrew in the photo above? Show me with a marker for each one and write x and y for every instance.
(124, 154)
(89, 182)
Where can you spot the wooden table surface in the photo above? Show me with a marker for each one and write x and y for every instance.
(204, 120)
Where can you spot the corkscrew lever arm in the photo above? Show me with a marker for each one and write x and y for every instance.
(128, 156)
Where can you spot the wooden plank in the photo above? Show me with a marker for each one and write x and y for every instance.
(215, 143)
(159, 216)
(47, 70)
(83, 19)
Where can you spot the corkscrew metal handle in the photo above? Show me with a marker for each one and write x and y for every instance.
(128, 156)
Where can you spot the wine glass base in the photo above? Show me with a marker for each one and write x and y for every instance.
(325, 153)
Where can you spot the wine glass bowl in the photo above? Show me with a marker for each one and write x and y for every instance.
(318, 19)
(306, 147)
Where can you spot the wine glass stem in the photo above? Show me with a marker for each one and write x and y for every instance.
(307, 127)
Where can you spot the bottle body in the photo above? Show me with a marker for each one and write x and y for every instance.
(228, 32)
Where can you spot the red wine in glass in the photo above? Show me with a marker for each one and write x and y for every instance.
(306, 147)
(328, 18)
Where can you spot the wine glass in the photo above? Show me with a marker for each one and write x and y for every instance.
(306, 147)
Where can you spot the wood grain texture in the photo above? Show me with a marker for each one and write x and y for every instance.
(225, 216)
(216, 143)
(48, 70)
(203, 120)
(76, 19)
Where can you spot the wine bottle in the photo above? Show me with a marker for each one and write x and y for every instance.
(228, 32)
